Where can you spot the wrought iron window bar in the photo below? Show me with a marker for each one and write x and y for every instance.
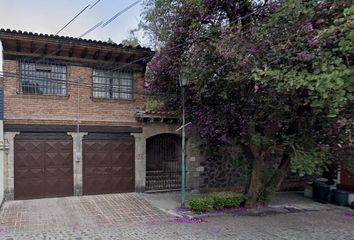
(42, 78)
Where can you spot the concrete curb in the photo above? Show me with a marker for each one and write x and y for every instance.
(248, 212)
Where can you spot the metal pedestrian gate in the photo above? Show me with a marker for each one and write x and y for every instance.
(163, 162)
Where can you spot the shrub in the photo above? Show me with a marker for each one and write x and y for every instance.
(153, 104)
(226, 200)
(199, 204)
(217, 200)
(234, 200)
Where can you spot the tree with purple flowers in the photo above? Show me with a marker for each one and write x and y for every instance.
(274, 78)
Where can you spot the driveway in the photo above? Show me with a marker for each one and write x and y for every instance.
(77, 212)
(130, 216)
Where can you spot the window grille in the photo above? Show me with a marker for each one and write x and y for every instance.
(114, 85)
(43, 79)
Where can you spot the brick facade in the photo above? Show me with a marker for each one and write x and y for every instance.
(39, 109)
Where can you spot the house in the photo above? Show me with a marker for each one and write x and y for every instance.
(74, 120)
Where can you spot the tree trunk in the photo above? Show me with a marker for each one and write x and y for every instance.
(278, 176)
(255, 184)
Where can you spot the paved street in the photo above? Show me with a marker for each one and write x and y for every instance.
(335, 224)
(130, 216)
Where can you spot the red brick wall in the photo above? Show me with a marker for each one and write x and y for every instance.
(347, 180)
(35, 109)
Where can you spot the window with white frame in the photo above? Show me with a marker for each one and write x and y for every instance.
(112, 84)
(43, 78)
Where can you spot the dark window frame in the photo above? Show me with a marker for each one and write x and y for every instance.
(107, 84)
(42, 78)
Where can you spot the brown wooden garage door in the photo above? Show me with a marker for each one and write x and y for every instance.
(43, 166)
(108, 164)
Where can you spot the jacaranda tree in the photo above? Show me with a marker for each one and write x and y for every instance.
(274, 78)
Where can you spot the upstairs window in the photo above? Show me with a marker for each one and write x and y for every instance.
(43, 79)
(112, 84)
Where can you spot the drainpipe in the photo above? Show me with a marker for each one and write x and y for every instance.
(78, 152)
(78, 109)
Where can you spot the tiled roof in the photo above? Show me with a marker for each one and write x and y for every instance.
(71, 39)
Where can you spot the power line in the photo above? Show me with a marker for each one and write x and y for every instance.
(96, 25)
(93, 5)
(178, 45)
(74, 82)
(91, 29)
(120, 13)
(65, 26)
(170, 49)
(77, 15)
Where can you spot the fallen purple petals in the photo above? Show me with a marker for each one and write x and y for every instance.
(350, 215)
(183, 211)
(4, 229)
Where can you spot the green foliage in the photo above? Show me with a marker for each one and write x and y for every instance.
(270, 83)
(131, 42)
(153, 104)
(199, 204)
(241, 163)
(261, 141)
(226, 200)
(310, 161)
(216, 201)
(110, 41)
(317, 60)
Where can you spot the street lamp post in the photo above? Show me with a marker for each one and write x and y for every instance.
(183, 81)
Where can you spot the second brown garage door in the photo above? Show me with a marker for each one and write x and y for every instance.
(108, 164)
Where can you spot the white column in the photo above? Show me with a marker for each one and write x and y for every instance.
(140, 162)
(77, 161)
(9, 165)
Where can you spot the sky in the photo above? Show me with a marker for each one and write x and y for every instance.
(49, 16)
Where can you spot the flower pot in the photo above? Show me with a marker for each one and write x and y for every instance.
(341, 197)
(351, 199)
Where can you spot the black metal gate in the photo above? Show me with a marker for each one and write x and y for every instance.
(163, 162)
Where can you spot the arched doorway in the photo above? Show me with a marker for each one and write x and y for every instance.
(163, 162)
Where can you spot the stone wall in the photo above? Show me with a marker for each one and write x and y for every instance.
(221, 174)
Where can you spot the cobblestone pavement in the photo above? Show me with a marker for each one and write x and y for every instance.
(88, 211)
(336, 224)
